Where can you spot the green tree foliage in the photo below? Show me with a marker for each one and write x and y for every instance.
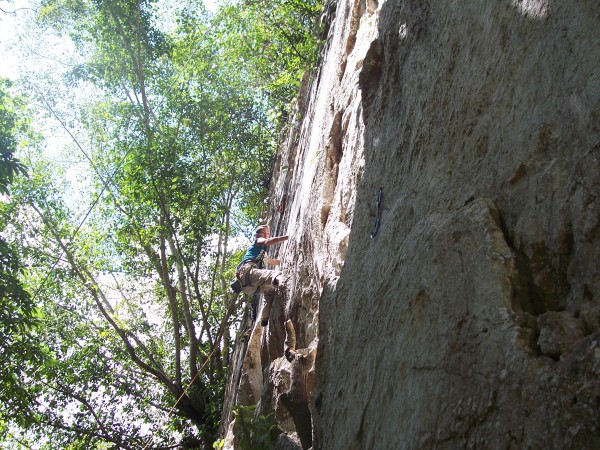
(256, 432)
(9, 127)
(275, 42)
(20, 353)
(132, 294)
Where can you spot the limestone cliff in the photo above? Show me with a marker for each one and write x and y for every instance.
(439, 183)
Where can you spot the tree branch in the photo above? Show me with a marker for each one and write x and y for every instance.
(105, 309)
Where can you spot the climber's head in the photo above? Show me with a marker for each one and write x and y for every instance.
(262, 231)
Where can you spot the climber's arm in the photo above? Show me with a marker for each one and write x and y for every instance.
(271, 241)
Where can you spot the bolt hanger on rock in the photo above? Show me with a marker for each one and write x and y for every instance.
(378, 215)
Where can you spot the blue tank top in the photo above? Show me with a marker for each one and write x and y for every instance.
(255, 253)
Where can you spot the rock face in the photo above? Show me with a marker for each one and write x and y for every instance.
(440, 186)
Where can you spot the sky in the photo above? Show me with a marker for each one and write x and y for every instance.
(53, 55)
(11, 25)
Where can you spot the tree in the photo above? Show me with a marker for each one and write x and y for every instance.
(20, 353)
(136, 305)
(275, 41)
(132, 295)
(9, 165)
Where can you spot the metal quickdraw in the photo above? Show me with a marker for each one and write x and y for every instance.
(378, 215)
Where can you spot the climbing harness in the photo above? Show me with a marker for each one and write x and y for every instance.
(378, 216)
(242, 276)
(242, 273)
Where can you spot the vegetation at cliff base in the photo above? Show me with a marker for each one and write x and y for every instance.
(132, 156)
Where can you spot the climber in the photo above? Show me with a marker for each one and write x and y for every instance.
(251, 273)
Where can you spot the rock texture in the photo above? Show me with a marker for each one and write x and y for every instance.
(471, 318)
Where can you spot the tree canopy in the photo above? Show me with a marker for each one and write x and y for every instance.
(20, 353)
(127, 297)
(10, 123)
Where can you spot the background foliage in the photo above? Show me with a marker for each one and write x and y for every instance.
(116, 312)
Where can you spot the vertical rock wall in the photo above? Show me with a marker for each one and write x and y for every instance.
(472, 318)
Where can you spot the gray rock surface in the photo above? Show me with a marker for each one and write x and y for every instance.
(472, 318)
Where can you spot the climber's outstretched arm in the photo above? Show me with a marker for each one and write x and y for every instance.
(271, 240)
